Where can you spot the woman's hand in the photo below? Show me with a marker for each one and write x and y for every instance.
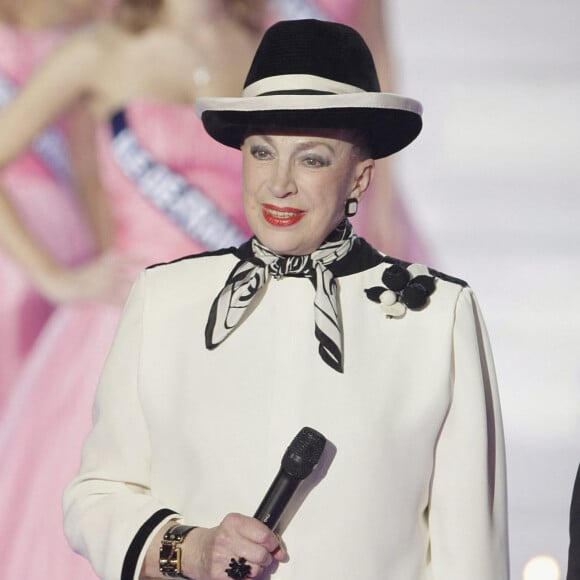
(207, 552)
(106, 279)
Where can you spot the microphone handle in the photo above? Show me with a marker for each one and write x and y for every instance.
(276, 499)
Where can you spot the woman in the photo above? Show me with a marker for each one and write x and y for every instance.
(162, 188)
(221, 357)
(29, 32)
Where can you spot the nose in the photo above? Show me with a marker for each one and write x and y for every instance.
(282, 182)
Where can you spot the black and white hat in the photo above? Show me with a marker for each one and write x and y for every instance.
(313, 74)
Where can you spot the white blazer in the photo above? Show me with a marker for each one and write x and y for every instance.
(413, 484)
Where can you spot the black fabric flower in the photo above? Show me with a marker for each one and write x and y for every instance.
(396, 278)
(401, 291)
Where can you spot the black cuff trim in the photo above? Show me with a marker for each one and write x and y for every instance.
(136, 547)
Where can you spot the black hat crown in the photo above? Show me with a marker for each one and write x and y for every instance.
(314, 47)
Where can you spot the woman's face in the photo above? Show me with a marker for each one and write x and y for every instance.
(295, 186)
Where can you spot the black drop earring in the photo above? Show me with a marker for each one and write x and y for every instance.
(351, 207)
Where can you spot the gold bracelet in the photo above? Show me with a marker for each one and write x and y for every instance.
(170, 550)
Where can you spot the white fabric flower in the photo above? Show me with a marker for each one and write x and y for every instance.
(390, 305)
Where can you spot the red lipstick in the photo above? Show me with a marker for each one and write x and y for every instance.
(282, 216)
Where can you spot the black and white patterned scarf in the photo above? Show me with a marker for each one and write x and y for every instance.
(247, 277)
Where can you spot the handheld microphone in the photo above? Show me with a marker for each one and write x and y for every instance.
(298, 461)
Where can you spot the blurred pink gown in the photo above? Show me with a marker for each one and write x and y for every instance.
(41, 443)
(36, 183)
(409, 244)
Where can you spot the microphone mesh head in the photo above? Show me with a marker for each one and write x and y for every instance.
(303, 453)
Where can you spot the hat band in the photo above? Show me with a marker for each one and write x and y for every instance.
(294, 83)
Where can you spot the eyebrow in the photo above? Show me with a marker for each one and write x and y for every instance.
(305, 144)
(310, 144)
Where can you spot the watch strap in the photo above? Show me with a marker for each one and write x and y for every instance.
(170, 550)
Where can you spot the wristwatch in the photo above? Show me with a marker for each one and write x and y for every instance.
(170, 550)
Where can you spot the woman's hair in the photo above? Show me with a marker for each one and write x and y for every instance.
(360, 139)
(137, 15)
(250, 13)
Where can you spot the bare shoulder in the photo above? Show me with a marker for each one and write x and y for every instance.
(86, 46)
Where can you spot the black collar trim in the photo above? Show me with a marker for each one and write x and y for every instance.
(220, 252)
(362, 257)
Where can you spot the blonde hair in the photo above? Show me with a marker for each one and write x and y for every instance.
(137, 15)
(250, 13)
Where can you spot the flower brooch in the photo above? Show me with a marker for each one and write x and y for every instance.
(401, 291)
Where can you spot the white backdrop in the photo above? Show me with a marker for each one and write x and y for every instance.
(494, 183)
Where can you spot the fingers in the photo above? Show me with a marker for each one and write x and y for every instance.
(109, 277)
(253, 559)
(253, 530)
(251, 543)
(240, 547)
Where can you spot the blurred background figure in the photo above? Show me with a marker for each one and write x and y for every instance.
(152, 187)
(383, 219)
(29, 31)
(155, 188)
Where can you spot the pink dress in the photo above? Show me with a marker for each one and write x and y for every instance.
(37, 184)
(410, 246)
(155, 143)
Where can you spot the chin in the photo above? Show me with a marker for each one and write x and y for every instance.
(284, 244)
(285, 249)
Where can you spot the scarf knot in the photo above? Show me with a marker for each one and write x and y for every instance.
(247, 277)
(279, 266)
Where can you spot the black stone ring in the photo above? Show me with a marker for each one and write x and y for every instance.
(238, 569)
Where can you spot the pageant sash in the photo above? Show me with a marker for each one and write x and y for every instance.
(49, 145)
(184, 203)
